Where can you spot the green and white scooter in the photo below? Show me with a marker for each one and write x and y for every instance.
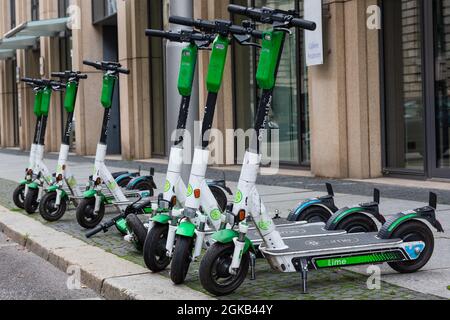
(175, 190)
(188, 232)
(20, 191)
(91, 209)
(38, 175)
(54, 203)
(404, 241)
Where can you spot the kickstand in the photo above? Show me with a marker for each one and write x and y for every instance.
(304, 272)
(252, 266)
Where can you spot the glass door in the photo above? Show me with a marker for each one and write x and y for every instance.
(439, 62)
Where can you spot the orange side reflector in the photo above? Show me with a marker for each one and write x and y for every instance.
(174, 201)
(242, 215)
(197, 193)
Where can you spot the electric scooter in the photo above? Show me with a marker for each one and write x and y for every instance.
(175, 189)
(91, 210)
(20, 192)
(40, 175)
(403, 241)
(187, 234)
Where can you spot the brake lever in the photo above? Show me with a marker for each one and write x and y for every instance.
(244, 41)
(203, 45)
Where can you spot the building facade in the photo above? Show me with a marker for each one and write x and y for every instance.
(378, 105)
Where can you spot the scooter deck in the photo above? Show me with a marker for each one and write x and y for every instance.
(296, 230)
(335, 244)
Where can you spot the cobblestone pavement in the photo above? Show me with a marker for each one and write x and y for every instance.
(333, 284)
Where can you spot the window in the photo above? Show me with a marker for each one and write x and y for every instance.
(34, 10)
(290, 109)
(403, 85)
(103, 10)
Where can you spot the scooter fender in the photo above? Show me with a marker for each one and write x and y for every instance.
(136, 180)
(161, 219)
(227, 236)
(186, 229)
(24, 182)
(297, 212)
(89, 194)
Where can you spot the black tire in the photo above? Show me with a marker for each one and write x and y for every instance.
(314, 214)
(357, 223)
(47, 208)
(144, 186)
(414, 231)
(86, 217)
(19, 196)
(220, 197)
(155, 253)
(215, 266)
(182, 258)
(136, 226)
(31, 203)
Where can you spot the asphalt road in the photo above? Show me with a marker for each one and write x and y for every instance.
(25, 276)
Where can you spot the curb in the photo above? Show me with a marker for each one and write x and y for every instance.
(108, 275)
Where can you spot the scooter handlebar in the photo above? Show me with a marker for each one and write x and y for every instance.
(94, 231)
(182, 21)
(96, 65)
(269, 16)
(107, 66)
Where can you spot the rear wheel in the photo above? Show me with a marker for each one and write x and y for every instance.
(358, 223)
(48, 209)
(182, 258)
(414, 231)
(214, 271)
(314, 215)
(123, 183)
(19, 196)
(138, 229)
(86, 215)
(155, 253)
(31, 203)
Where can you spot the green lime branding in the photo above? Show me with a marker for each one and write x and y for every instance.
(215, 215)
(356, 260)
(190, 191)
(167, 186)
(238, 198)
(265, 225)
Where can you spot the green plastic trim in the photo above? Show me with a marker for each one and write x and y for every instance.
(186, 229)
(37, 103)
(46, 100)
(122, 226)
(161, 218)
(357, 260)
(187, 70)
(109, 82)
(226, 236)
(89, 194)
(272, 44)
(53, 189)
(23, 182)
(217, 64)
(33, 185)
(71, 96)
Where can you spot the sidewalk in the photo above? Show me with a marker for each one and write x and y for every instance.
(279, 193)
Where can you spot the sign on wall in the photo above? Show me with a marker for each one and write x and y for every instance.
(314, 39)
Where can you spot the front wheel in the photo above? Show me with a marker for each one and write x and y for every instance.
(86, 215)
(48, 209)
(19, 196)
(182, 258)
(31, 203)
(137, 228)
(155, 253)
(409, 232)
(214, 271)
